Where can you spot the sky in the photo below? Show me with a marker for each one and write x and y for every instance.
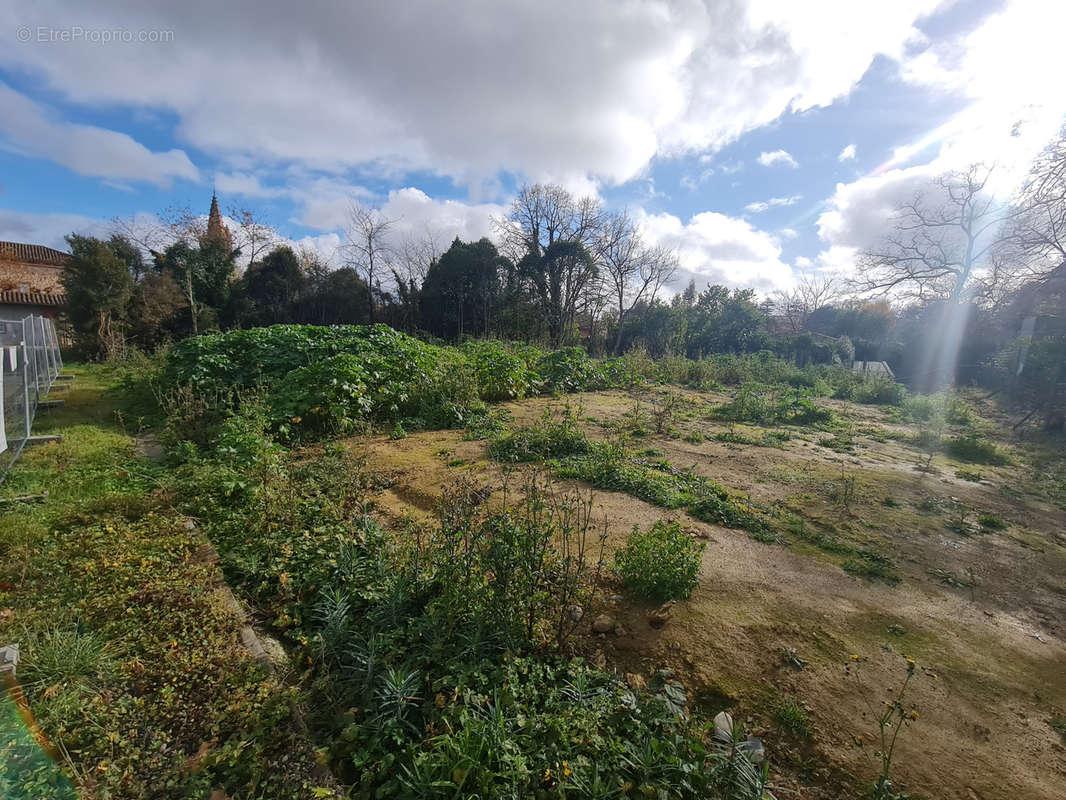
(761, 139)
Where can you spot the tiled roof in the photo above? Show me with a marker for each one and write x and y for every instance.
(16, 298)
(32, 254)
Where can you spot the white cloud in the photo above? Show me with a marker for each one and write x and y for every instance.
(469, 90)
(777, 157)
(773, 202)
(245, 184)
(48, 229)
(788, 233)
(326, 246)
(417, 214)
(715, 248)
(86, 149)
(803, 262)
(1005, 67)
(847, 154)
(693, 182)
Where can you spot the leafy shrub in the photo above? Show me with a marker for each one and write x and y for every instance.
(879, 390)
(501, 374)
(946, 407)
(661, 563)
(974, 448)
(327, 397)
(569, 370)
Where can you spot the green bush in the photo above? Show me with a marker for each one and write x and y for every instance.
(946, 407)
(569, 370)
(501, 373)
(327, 397)
(662, 563)
(879, 391)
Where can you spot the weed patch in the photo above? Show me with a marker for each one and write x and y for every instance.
(975, 449)
(764, 405)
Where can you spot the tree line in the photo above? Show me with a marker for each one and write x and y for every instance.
(964, 287)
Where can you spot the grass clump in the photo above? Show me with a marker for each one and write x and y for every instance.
(644, 474)
(773, 405)
(661, 563)
(790, 714)
(992, 522)
(872, 566)
(554, 436)
(608, 465)
(975, 449)
(1058, 724)
(766, 439)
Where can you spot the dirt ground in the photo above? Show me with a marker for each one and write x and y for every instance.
(981, 611)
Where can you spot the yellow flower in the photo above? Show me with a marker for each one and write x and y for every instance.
(854, 656)
(283, 579)
(913, 715)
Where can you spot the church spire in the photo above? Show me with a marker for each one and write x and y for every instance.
(217, 232)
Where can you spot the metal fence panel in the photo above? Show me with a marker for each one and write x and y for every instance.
(29, 349)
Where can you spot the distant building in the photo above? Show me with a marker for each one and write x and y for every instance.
(30, 280)
(216, 231)
(876, 368)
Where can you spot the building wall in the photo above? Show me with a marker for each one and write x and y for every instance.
(22, 276)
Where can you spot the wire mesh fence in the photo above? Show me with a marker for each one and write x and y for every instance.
(31, 363)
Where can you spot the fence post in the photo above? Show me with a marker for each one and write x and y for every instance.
(26, 385)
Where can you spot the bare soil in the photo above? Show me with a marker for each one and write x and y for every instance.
(981, 611)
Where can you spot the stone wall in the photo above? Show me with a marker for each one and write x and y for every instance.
(24, 277)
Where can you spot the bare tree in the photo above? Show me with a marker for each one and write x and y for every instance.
(1036, 235)
(549, 234)
(940, 241)
(632, 271)
(147, 232)
(314, 267)
(252, 235)
(543, 214)
(416, 253)
(367, 247)
(813, 290)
